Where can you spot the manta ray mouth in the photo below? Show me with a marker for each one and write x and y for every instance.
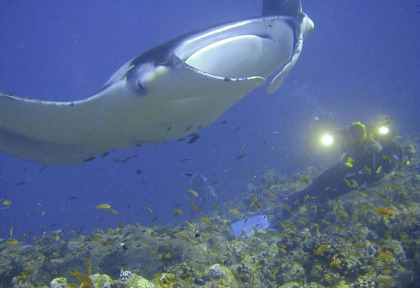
(236, 57)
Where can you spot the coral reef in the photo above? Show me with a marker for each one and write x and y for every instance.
(344, 242)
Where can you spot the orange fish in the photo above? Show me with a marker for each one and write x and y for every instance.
(385, 212)
(86, 282)
(103, 206)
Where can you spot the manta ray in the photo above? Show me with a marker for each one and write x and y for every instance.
(172, 90)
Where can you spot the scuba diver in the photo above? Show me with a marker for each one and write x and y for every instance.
(369, 152)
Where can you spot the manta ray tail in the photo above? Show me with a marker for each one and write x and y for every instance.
(281, 7)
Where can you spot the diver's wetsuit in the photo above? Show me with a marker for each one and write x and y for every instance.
(331, 184)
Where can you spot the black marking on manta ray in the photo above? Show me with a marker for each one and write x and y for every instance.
(88, 159)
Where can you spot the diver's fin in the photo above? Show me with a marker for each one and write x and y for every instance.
(281, 7)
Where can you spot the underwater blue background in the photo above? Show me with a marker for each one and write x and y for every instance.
(362, 58)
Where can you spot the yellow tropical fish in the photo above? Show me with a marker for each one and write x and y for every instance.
(305, 179)
(234, 211)
(149, 209)
(206, 220)
(12, 242)
(177, 212)
(271, 193)
(379, 170)
(115, 212)
(348, 183)
(363, 194)
(103, 206)
(189, 224)
(255, 203)
(194, 206)
(368, 171)
(354, 183)
(387, 158)
(7, 202)
(193, 192)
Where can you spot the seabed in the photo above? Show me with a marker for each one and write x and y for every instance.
(344, 242)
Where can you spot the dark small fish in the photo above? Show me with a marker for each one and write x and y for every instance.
(169, 128)
(224, 122)
(194, 138)
(188, 174)
(237, 129)
(212, 183)
(180, 140)
(42, 168)
(104, 155)
(155, 218)
(241, 156)
(265, 142)
(89, 159)
(144, 182)
(183, 160)
(189, 127)
(128, 205)
(72, 198)
(20, 183)
(139, 145)
(138, 171)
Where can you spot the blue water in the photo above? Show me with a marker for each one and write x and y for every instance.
(362, 59)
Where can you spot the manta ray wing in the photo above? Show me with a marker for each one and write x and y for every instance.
(68, 133)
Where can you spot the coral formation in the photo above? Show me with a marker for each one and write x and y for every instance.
(339, 243)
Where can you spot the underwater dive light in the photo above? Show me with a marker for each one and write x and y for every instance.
(327, 139)
(383, 130)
